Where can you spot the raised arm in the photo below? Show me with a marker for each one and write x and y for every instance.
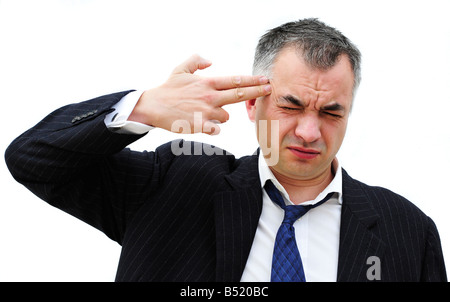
(74, 162)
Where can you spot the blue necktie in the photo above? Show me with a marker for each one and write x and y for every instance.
(286, 262)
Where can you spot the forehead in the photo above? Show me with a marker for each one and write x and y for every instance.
(292, 75)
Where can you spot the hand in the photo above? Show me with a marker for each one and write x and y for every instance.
(185, 96)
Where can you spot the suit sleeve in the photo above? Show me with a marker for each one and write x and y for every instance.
(433, 268)
(73, 162)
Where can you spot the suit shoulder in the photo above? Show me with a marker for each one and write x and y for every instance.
(389, 202)
(184, 158)
(184, 150)
(197, 156)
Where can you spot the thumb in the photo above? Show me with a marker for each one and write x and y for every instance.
(192, 64)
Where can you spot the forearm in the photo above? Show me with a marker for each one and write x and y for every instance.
(74, 162)
(65, 141)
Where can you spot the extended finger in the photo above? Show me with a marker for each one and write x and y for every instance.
(241, 94)
(224, 83)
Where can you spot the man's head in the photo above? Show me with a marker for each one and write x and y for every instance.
(314, 72)
(319, 44)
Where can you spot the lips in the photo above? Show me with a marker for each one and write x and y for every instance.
(304, 153)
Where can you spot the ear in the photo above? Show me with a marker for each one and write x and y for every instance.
(251, 109)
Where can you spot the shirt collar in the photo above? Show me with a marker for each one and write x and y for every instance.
(335, 185)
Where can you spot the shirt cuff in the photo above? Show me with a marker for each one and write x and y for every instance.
(117, 120)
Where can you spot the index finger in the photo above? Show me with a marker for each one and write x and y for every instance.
(241, 94)
(224, 83)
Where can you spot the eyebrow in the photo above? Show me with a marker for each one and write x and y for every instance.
(333, 107)
(293, 100)
(297, 102)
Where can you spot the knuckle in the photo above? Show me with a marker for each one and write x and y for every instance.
(211, 82)
(209, 98)
(236, 81)
(260, 90)
(240, 93)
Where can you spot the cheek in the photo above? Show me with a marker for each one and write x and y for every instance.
(287, 128)
(271, 126)
(334, 136)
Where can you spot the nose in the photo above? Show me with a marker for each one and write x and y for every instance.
(308, 128)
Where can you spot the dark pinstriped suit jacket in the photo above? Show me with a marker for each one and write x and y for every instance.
(193, 218)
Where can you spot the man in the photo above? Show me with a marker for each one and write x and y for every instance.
(192, 212)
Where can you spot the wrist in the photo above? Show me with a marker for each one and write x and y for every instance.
(143, 112)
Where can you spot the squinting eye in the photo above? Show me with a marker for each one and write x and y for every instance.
(289, 108)
(332, 114)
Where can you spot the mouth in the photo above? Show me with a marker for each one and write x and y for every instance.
(304, 153)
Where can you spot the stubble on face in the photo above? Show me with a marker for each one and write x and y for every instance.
(312, 109)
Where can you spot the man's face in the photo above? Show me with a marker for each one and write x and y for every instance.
(312, 107)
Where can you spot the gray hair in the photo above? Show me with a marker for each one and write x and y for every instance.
(319, 44)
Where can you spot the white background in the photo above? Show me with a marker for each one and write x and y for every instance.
(57, 52)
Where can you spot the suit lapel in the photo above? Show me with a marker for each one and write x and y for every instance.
(357, 239)
(237, 212)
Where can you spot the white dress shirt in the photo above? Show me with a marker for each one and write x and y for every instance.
(118, 119)
(317, 232)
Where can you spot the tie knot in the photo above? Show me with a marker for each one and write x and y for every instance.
(293, 212)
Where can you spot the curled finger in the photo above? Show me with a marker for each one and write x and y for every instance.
(211, 128)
